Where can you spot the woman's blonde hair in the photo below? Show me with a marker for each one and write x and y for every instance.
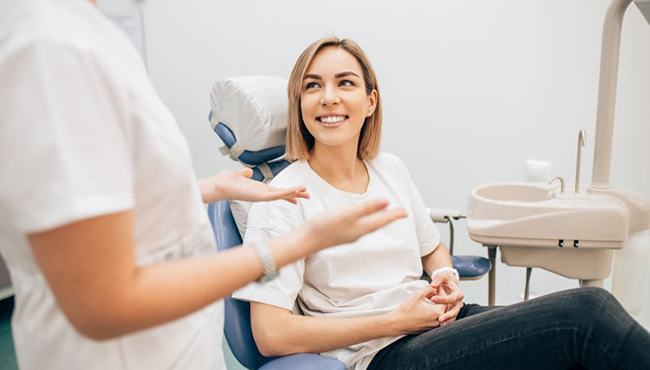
(299, 141)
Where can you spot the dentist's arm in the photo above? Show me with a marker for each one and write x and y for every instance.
(237, 184)
(91, 268)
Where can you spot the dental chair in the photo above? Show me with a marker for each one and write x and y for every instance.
(237, 327)
(257, 104)
(249, 116)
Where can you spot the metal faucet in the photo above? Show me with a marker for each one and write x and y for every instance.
(561, 182)
(582, 137)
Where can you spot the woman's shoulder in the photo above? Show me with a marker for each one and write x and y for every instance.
(278, 216)
(388, 161)
(294, 174)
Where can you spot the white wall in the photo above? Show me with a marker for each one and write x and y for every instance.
(470, 89)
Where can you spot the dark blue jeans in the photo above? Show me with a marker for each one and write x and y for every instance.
(583, 328)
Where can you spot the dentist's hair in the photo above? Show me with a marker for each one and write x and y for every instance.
(299, 141)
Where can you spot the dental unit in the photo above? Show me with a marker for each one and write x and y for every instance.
(579, 234)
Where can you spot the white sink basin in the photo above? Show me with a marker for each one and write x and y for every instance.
(572, 234)
(514, 192)
(528, 214)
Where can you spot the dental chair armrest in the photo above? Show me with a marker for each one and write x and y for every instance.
(443, 215)
(304, 361)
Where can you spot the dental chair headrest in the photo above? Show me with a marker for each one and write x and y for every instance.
(249, 114)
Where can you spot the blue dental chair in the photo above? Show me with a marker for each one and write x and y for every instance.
(265, 163)
(237, 322)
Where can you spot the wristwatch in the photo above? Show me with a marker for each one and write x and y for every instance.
(269, 272)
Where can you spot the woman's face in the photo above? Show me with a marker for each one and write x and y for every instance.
(334, 103)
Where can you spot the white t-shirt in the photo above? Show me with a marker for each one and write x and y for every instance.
(82, 134)
(369, 277)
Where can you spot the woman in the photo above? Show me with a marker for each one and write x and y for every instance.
(363, 302)
(102, 222)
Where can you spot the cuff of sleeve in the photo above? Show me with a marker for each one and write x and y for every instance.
(47, 217)
(428, 248)
(255, 292)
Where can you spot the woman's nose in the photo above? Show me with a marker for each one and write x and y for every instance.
(330, 96)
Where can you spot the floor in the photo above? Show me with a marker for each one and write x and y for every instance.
(7, 355)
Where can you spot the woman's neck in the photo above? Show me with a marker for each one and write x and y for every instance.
(340, 167)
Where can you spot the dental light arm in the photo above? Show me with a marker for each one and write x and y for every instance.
(607, 91)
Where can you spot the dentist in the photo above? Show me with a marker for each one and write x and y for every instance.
(102, 221)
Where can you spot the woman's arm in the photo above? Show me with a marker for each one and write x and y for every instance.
(445, 283)
(90, 266)
(439, 258)
(279, 332)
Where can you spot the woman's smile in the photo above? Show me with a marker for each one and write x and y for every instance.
(332, 120)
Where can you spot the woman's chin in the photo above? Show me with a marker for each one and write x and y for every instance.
(336, 140)
(334, 136)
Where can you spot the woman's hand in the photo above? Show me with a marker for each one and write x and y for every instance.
(350, 223)
(417, 314)
(237, 184)
(448, 293)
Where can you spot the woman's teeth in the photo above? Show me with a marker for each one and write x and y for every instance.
(332, 119)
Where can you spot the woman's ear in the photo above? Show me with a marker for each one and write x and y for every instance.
(372, 103)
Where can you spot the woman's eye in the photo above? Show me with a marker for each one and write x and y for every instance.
(346, 83)
(311, 85)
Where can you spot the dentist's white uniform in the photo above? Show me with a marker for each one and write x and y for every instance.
(82, 134)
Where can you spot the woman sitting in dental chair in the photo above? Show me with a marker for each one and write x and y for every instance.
(364, 303)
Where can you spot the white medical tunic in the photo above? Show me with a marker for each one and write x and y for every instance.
(371, 276)
(83, 134)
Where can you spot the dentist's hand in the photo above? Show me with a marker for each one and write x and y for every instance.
(349, 224)
(417, 314)
(448, 293)
(237, 184)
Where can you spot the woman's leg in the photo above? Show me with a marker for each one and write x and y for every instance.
(579, 328)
